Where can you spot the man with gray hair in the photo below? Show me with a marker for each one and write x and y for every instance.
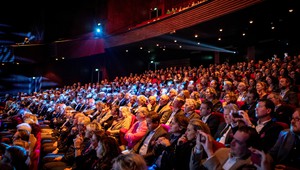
(163, 109)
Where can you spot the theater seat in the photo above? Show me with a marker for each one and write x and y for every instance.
(283, 125)
(35, 157)
(220, 116)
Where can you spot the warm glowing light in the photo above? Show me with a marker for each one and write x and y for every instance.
(221, 30)
(251, 21)
(175, 41)
(219, 39)
(196, 35)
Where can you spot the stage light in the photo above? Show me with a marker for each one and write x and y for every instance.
(98, 30)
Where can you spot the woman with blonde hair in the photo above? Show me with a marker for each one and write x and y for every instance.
(261, 88)
(124, 122)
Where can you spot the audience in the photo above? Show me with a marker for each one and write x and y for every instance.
(62, 122)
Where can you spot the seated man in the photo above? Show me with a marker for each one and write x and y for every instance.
(286, 151)
(145, 146)
(235, 157)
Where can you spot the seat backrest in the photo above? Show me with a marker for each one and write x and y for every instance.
(133, 120)
(283, 125)
(220, 116)
(240, 103)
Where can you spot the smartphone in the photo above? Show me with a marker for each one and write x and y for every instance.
(236, 115)
(202, 139)
(256, 158)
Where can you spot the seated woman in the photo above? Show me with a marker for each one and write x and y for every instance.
(124, 121)
(211, 95)
(261, 88)
(229, 98)
(165, 146)
(179, 156)
(107, 150)
(138, 129)
(196, 96)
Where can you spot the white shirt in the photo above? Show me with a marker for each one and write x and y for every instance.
(204, 118)
(143, 150)
(261, 125)
(171, 117)
(222, 139)
(230, 162)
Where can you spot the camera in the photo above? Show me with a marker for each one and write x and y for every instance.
(236, 115)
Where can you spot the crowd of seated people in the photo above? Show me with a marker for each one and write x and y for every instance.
(173, 118)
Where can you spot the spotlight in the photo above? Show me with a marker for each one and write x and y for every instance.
(98, 30)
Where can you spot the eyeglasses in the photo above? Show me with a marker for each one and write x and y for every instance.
(295, 119)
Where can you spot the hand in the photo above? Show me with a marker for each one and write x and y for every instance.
(183, 139)
(163, 141)
(108, 132)
(78, 141)
(264, 164)
(245, 118)
(207, 143)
